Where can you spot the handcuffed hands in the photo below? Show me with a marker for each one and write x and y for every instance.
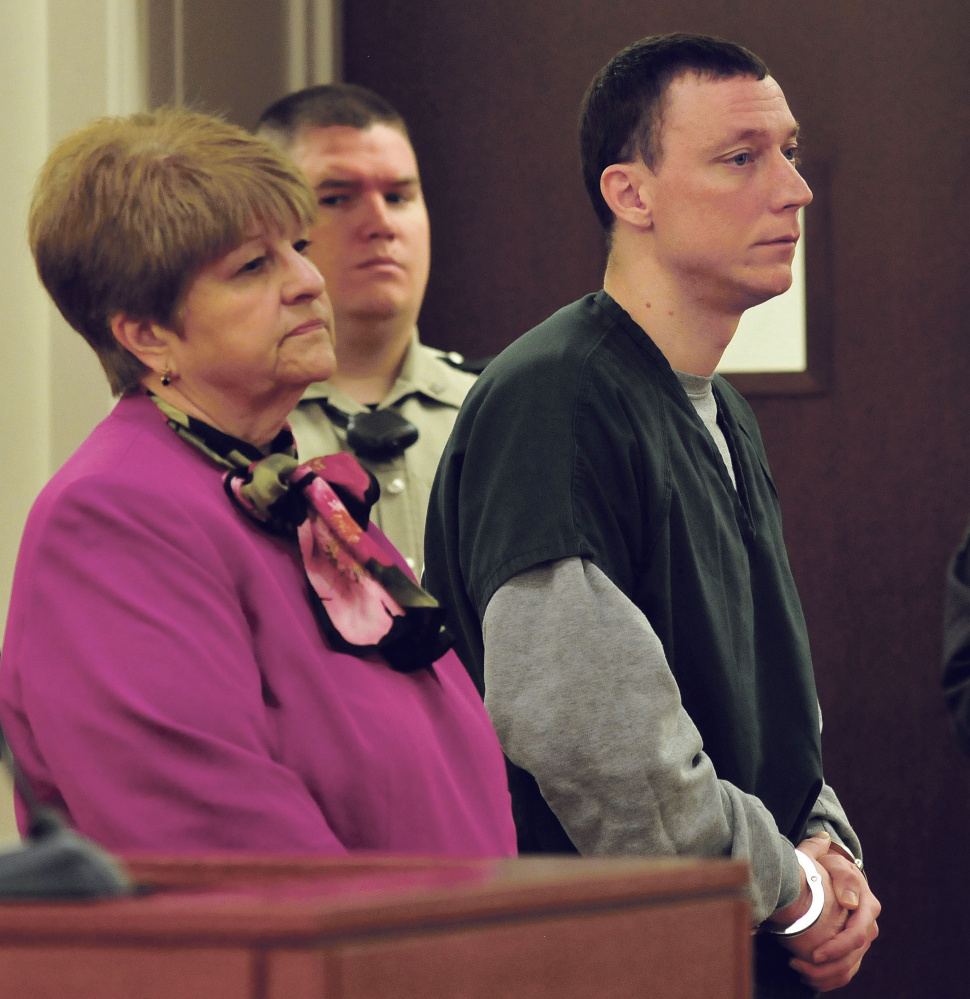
(829, 953)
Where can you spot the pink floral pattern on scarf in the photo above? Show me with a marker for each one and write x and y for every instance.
(335, 553)
(364, 601)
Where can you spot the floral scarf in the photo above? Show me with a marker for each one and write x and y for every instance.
(364, 602)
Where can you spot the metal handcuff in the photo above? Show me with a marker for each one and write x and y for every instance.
(809, 919)
(818, 898)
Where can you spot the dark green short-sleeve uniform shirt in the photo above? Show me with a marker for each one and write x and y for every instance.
(578, 440)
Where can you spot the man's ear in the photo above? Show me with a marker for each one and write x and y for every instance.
(148, 341)
(625, 189)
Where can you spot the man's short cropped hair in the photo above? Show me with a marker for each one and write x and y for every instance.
(621, 115)
(127, 211)
(324, 106)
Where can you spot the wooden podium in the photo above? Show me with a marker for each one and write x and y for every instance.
(391, 928)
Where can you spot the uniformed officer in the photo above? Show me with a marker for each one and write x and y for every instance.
(393, 401)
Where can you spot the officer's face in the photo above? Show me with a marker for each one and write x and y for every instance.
(371, 241)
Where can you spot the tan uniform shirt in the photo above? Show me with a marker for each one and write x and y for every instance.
(429, 393)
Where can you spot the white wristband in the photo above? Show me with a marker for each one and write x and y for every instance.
(818, 898)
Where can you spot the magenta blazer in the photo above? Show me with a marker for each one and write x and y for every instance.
(165, 683)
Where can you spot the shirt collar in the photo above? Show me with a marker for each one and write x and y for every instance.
(424, 372)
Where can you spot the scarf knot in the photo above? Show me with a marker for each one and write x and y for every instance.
(364, 602)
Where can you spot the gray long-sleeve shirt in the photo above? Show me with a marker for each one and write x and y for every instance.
(580, 693)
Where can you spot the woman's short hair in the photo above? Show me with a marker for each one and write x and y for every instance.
(127, 211)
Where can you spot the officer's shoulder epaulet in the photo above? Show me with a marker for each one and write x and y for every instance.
(459, 362)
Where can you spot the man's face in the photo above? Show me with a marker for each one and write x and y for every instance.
(371, 241)
(725, 195)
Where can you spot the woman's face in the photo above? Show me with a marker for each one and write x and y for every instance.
(256, 329)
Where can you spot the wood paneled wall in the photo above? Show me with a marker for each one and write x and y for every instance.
(873, 474)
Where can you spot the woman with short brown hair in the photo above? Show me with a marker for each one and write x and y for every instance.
(208, 647)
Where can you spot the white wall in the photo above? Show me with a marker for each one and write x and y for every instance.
(314, 48)
(67, 61)
(24, 390)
